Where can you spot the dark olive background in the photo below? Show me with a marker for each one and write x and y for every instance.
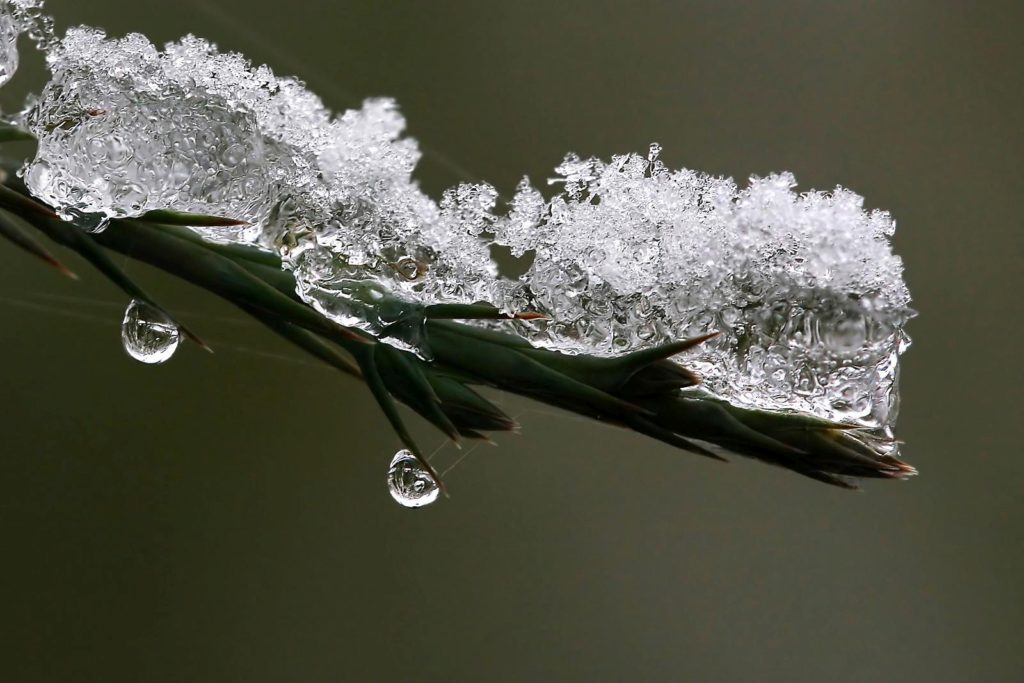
(224, 518)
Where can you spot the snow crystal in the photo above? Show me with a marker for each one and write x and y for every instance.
(124, 128)
(804, 288)
(9, 32)
(17, 17)
(383, 238)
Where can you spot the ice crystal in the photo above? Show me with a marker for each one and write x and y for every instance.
(8, 44)
(124, 128)
(17, 17)
(383, 237)
(804, 288)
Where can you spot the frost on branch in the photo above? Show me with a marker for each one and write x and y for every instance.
(380, 234)
(124, 128)
(17, 17)
(804, 288)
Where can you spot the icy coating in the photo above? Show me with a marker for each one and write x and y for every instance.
(124, 128)
(804, 287)
(17, 17)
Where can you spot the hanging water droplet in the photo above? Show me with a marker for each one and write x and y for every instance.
(409, 483)
(147, 334)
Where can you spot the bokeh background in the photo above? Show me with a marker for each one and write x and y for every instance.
(224, 518)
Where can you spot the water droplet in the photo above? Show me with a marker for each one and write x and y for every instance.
(646, 332)
(89, 222)
(147, 334)
(408, 268)
(847, 334)
(409, 483)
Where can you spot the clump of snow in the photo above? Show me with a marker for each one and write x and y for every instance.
(124, 128)
(804, 287)
(378, 234)
(17, 17)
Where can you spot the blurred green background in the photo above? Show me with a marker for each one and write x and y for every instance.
(224, 518)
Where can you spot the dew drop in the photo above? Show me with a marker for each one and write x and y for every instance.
(94, 223)
(147, 334)
(409, 483)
